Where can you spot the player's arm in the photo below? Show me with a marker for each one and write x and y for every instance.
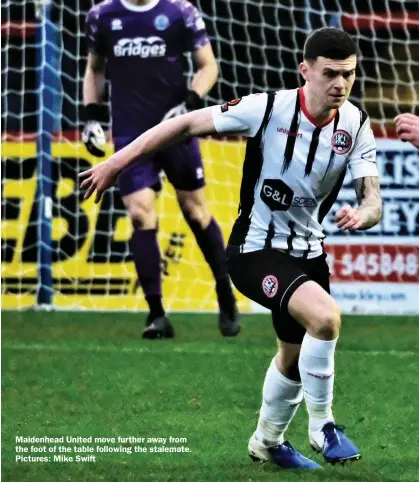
(198, 123)
(369, 212)
(94, 87)
(369, 199)
(94, 80)
(202, 83)
(197, 42)
(103, 175)
(363, 167)
(207, 72)
(240, 117)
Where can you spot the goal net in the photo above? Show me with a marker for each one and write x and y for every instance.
(259, 46)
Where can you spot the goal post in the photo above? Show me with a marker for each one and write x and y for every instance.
(47, 87)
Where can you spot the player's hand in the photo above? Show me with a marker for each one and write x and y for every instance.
(99, 178)
(94, 138)
(407, 128)
(348, 218)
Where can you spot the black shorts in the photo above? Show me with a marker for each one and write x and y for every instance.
(270, 277)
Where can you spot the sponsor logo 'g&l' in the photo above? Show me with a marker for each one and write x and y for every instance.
(276, 194)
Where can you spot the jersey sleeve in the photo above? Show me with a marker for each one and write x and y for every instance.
(243, 115)
(93, 33)
(362, 160)
(195, 32)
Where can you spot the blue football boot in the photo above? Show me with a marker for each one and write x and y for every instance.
(337, 447)
(283, 455)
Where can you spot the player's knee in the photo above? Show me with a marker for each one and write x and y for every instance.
(196, 212)
(326, 324)
(142, 216)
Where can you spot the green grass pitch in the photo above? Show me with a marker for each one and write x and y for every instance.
(90, 374)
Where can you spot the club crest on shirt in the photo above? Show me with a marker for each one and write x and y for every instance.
(230, 103)
(341, 142)
(270, 285)
(161, 22)
(116, 24)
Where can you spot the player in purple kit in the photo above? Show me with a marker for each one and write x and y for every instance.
(141, 45)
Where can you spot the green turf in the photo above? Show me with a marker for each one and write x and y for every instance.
(84, 374)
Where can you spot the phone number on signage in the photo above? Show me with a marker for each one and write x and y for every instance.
(404, 267)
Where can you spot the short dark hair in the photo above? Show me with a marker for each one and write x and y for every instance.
(329, 42)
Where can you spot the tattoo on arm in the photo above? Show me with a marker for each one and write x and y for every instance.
(366, 188)
(367, 191)
(360, 189)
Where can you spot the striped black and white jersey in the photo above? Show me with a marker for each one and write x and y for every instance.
(293, 168)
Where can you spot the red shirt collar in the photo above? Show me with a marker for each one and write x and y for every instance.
(307, 113)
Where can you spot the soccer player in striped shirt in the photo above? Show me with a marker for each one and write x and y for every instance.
(300, 144)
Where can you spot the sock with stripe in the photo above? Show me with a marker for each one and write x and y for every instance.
(281, 399)
(316, 365)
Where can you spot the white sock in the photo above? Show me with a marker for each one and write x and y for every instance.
(281, 399)
(316, 365)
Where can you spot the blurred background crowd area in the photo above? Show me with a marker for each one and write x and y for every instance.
(258, 45)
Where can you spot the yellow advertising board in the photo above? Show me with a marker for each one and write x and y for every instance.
(92, 267)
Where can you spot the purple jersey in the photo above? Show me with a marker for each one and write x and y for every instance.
(144, 48)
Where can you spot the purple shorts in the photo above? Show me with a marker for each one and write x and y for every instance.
(182, 164)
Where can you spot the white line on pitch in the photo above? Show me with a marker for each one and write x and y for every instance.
(177, 349)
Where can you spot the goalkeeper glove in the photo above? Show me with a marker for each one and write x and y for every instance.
(175, 111)
(93, 135)
(193, 101)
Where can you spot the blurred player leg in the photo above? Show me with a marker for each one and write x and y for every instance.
(140, 202)
(210, 241)
(183, 166)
